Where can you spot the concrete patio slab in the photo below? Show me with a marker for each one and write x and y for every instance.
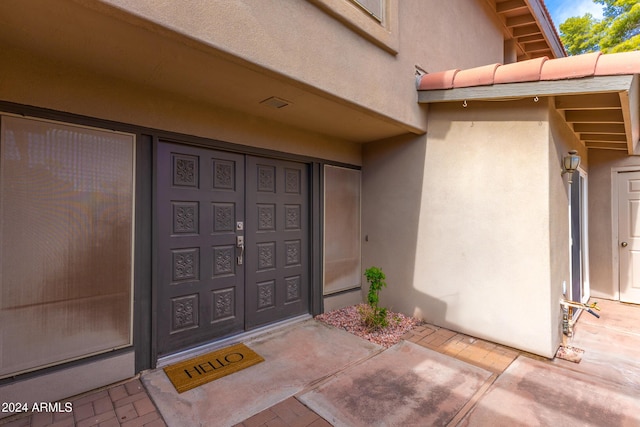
(611, 342)
(614, 315)
(611, 355)
(307, 360)
(537, 393)
(405, 385)
(295, 358)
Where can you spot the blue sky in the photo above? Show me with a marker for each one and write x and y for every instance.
(563, 9)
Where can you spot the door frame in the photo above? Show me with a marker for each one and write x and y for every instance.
(615, 218)
(316, 221)
(584, 233)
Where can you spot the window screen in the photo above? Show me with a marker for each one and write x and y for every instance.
(66, 237)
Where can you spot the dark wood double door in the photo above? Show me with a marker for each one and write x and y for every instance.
(233, 243)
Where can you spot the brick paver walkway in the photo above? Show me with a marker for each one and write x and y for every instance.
(288, 413)
(123, 405)
(484, 354)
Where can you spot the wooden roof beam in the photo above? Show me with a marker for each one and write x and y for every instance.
(604, 137)
(613, 129)
(526, 30)
(605, 146)
(589, 102)
(510, 6)
(594, 116)
(532, 38)
(536, 47)
(522, 20)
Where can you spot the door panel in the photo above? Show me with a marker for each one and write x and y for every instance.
(629, 236)
(210, 284)
(200, 199)
(277, 229)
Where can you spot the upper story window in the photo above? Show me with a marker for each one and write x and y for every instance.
(374, 7)
(375, 20)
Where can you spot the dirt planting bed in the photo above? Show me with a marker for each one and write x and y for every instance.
(349, 319)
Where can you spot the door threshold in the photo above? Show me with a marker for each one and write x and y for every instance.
(215, 345)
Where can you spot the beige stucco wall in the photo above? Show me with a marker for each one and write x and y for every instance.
(466, 243)
(201, 70)
(603, 268)
(300, 41)
(441, 35)
(59, 86)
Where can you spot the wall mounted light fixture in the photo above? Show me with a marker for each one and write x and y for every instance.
(570, 163)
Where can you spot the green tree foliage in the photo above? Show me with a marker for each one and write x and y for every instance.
(577, 34)
(617, 31)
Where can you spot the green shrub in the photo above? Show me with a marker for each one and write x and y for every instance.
(374, 316)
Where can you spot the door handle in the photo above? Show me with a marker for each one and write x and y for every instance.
(624, 244)
(240, 244)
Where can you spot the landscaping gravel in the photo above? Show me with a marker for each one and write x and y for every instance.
(349, 319)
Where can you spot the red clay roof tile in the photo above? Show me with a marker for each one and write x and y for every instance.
(524, 71)
(620, 63)
(480, 76)
(572, 67)
(440, 80)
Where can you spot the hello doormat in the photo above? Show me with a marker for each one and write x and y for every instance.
(211, 366)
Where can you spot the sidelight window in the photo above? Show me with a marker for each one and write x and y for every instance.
(341, 229)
